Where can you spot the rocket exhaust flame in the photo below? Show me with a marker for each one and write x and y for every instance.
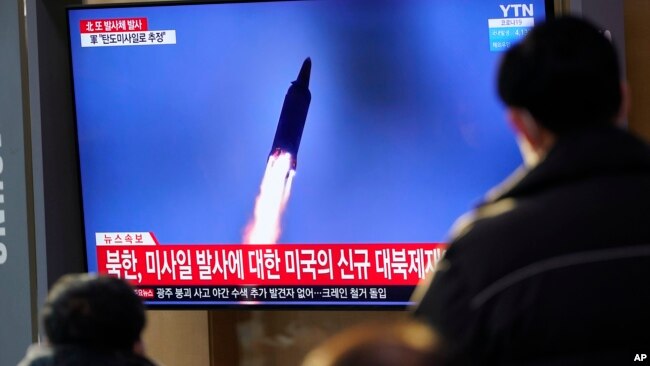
(265, 225)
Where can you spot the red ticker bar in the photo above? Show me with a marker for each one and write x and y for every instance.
(272, 265)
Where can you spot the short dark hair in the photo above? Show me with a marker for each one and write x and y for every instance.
(565, 73)
(406, 343)
(95, 311)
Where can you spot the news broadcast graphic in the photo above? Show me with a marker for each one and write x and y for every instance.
(278, 273)
(517, 20)
(190, 118)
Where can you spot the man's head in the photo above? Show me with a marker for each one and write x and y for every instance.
(93, 311)
(405, 344)
(565, 73)
(564, 76)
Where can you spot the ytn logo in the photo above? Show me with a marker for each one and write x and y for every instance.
(640, 357)
(526, 10)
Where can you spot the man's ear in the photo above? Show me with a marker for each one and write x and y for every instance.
(533, 139)
(525, 127)
(138, 348)
(623, 111)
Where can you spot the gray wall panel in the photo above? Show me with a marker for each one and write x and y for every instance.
(16, 308)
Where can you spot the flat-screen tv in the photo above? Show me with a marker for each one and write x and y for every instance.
(286, 153)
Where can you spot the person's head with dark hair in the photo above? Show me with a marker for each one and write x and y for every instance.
(90, 320)
(95, 311)
(563, 77)
(401, 344)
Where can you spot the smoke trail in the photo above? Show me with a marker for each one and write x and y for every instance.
(265, 225)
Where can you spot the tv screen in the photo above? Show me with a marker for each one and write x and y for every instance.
(286, 153)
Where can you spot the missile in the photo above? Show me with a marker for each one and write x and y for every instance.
(293, 115)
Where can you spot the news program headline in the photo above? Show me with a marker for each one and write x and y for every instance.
(144, 262)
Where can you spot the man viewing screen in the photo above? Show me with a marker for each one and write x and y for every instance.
(553, 267)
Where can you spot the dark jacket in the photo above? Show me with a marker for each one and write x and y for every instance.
(38, 355)
(555, 267)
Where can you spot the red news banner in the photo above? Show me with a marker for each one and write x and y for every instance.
(138, 257)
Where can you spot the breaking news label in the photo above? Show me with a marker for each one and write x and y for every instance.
(122, 32)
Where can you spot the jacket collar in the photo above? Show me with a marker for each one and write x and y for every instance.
(575, 156)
